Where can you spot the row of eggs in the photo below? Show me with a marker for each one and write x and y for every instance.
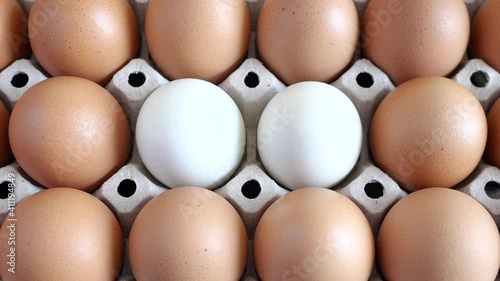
(298, 41)
(191, 233)
(69, 131)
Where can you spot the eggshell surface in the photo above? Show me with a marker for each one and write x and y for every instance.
(492, 153)
(62, 234)
(206, 40)
(309, 134)
(89, 39)
(190, 133)
(428, 132)
(5, 151)
(314, 234)
(14, 41)
(68, 131)
(409, 39)
(485, 42)
(311, 40)
(188, 233)
(438, 234)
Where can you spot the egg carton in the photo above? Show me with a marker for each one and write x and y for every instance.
(251, 190)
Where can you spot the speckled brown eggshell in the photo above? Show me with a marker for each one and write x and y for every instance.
(14, 43)
(91, 39)
(206, 39)
(429, 132)
(68, 131)
(409, 39)
(62, 234)
(188, 233)
(5, 151)
(438, 234)
(492, 153)
(312, 40)
(314, 234)
(485, 42)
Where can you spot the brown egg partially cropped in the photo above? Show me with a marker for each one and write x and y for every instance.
(492, 153)
(428, 132)
(312, 40)
(61, 234)
(5, 151)
(314, 234)
(68, 131)
(188, 233)
(485, 42)
(14, 43)
(438, 234)
(206, 39)
(91, 39)
(409, 39)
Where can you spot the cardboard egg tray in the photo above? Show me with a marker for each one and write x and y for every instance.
(250, 190)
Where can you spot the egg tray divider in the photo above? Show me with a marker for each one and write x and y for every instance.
(250, 190)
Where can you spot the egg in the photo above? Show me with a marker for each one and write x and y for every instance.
(428, 132)
(309, 134)
(188, 233)
(190, 133)
(492, 153)
(409, 39)
(206, 40)
(68, 131)
(312, 40)
(91, 39)
(14, 41)
(314, 234)
(484, 42)
(5, 151)
(61, 234)
(438, 234)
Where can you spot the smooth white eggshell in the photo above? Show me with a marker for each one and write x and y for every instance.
(310, 134)
(190, 133)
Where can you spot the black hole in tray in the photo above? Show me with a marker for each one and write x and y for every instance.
(251, 189)
(4, 190)
(480, 79)
(20, 80)
(374, 190)
(365, 80)
(492, 189)
(136, 79)
(127, 188)
(252, 80)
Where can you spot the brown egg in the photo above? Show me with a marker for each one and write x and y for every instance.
(485, 42)
(68, 131)
(188, 233)
(314, 234)
(312, 40)
(14, 41)
(438, 234)
(92, 39)
(492, 153)
(5, 151)
(207, 39)
(409, 39)
(61, 234)
(428, 132)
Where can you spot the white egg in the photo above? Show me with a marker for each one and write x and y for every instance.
(309, 135)
(190, 133)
